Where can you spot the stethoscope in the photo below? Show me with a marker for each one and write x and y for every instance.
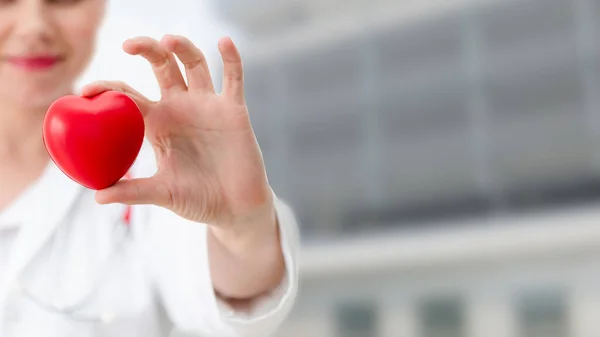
(73, 310)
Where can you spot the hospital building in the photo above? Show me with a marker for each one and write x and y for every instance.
(442, 157)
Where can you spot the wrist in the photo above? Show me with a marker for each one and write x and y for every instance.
(249, 233)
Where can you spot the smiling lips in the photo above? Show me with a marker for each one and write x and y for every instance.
(34, 63)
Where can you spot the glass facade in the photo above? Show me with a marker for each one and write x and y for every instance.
(485, 109)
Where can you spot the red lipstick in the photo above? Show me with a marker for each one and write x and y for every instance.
(33, 63)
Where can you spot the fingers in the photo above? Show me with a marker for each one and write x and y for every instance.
(233, 74)
(163, 62)
(99, 87)
(193, 60)
(140, 191)
(161, 56)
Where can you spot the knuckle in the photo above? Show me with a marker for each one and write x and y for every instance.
(235, 77)
(198, 62)
(117, 85)
(159, 61)
(138, 192)
(120, 84)
(156, 57)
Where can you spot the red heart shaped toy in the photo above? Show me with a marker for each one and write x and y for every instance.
(94, 140)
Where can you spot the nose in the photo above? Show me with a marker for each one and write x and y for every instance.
(33, 22)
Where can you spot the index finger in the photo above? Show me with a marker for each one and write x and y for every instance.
(164, 65)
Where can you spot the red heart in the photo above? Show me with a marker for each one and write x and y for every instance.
(94, 140)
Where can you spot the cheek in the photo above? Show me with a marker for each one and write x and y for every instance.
(81, 37)
(5, 24)
(84, 48)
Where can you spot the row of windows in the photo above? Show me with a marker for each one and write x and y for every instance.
(539, 314)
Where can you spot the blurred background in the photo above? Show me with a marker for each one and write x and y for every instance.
(442, 156)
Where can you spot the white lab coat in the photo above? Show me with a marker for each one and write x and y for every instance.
(157, 284)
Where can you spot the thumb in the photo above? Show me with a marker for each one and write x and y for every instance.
(140, 191)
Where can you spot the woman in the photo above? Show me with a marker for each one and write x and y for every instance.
(135, 259)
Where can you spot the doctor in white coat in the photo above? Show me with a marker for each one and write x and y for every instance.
(194, 243)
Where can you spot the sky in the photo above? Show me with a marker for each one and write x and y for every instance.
(129, 18)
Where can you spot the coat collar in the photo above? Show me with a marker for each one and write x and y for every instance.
(50, 203)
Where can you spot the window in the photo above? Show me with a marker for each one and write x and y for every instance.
(543, 314)
(442, 317)
(357, 319)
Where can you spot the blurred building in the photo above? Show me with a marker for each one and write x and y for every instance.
(442, 156)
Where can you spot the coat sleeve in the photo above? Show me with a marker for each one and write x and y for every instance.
(176, 255)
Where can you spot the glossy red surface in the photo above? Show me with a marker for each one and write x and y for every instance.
(94, 141)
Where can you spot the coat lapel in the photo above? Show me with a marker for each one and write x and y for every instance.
(51, 204)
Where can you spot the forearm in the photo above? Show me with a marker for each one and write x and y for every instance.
(246, 259)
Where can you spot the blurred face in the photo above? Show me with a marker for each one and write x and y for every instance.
(44, 46)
